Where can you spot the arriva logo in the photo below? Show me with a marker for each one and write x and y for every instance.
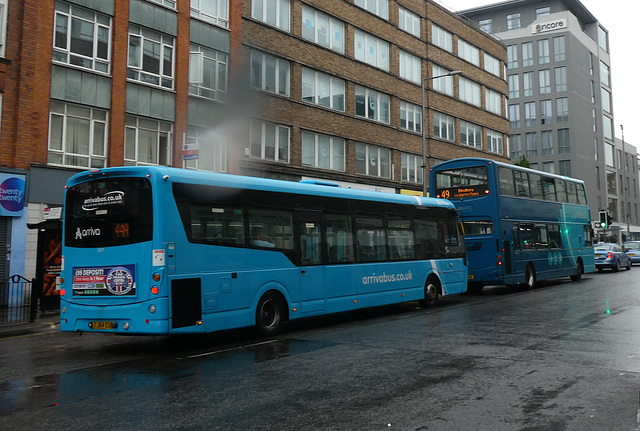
(80, 234)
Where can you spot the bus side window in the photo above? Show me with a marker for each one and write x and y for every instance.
(535, 183)
(339, 238)
(271, 229)
(526, 236)
(505, 177)
(516, 237)
(561, 190)
(522, 184)
(426, 238)
(371, 239)
(555, 240)
(401, 239)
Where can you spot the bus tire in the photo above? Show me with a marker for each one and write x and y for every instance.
(530, 276)
(271, 314)
(579, 271)
(431, 291)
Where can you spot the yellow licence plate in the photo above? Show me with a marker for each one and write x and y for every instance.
(470, 277)
(103, 325)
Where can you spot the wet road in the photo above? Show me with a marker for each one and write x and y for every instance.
(565, 356)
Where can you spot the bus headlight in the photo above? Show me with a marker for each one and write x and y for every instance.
(125, 325)
(152, 309)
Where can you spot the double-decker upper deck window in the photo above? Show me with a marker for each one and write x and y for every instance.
(82, 37)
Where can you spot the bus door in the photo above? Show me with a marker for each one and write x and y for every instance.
(480, 239)
(310, 261)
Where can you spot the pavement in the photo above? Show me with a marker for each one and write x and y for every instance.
(46, 321)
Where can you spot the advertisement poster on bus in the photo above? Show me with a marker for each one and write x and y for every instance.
(104, 281)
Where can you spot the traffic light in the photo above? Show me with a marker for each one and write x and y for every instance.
(609, 220)
(603, 219)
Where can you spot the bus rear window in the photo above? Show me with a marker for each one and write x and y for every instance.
(108, 212)
(462, 182)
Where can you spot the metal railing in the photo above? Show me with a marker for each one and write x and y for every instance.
(18, 302)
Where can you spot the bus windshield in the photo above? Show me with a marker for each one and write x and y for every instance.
(108, 212)
(461, 182)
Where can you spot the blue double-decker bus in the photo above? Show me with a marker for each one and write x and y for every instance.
(156, 250)
(521, 225)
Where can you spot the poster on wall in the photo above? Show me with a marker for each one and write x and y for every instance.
(52, 263)
(12, 188)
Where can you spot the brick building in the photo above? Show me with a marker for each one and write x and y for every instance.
(285, 89)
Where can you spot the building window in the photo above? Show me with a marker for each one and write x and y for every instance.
(444, 84)
(548, 167)
(486, 25)
(409, 21)
(441, 38)
(410, 117)
(564, 146)
(208, 73)
(443, 126)
(322, 89)
(147, 141)
(322, 29)
(492, 65)
(527, 54)
(468, 52)
(603, 39)
(373, 160)
(515, 144)
(471, 134)
(410, 67)
(514, 86)
(607, 127)
(493, 100)
(514, 116)
(530, 114)
(371, 50)
(469, 91)
(412, 168)
(545, 112)
(376, 7)
(211, 154)
(561, 79)
(372, 105)
(544, 81)
(81, 37)
(543, 11)
(269, 141)
(494, 142)
(168, 3)
(562, 110)
(3, 27)
(604, 74)
(269, 73)
(527, 84)
(213, 11)
(513, 21)
(512, 56)
(543, 51)
(322, 151)
(559, 53)
(77, 136)
(150, 58)
(564, 167)
(273, 12)
(547, 143)
(532, 145)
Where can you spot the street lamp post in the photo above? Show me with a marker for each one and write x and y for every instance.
(425, 155)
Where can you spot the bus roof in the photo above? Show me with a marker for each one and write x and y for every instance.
(467, 161)
(255, 183)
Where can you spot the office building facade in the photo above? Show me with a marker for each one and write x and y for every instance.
(561, 100)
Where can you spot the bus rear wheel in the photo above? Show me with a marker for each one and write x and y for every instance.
(270, 314)
(530, 275)
(431, 291)
(579, 272)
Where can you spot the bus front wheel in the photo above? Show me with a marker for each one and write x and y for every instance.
(270, 314)
(431, 291)
(530, 275)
